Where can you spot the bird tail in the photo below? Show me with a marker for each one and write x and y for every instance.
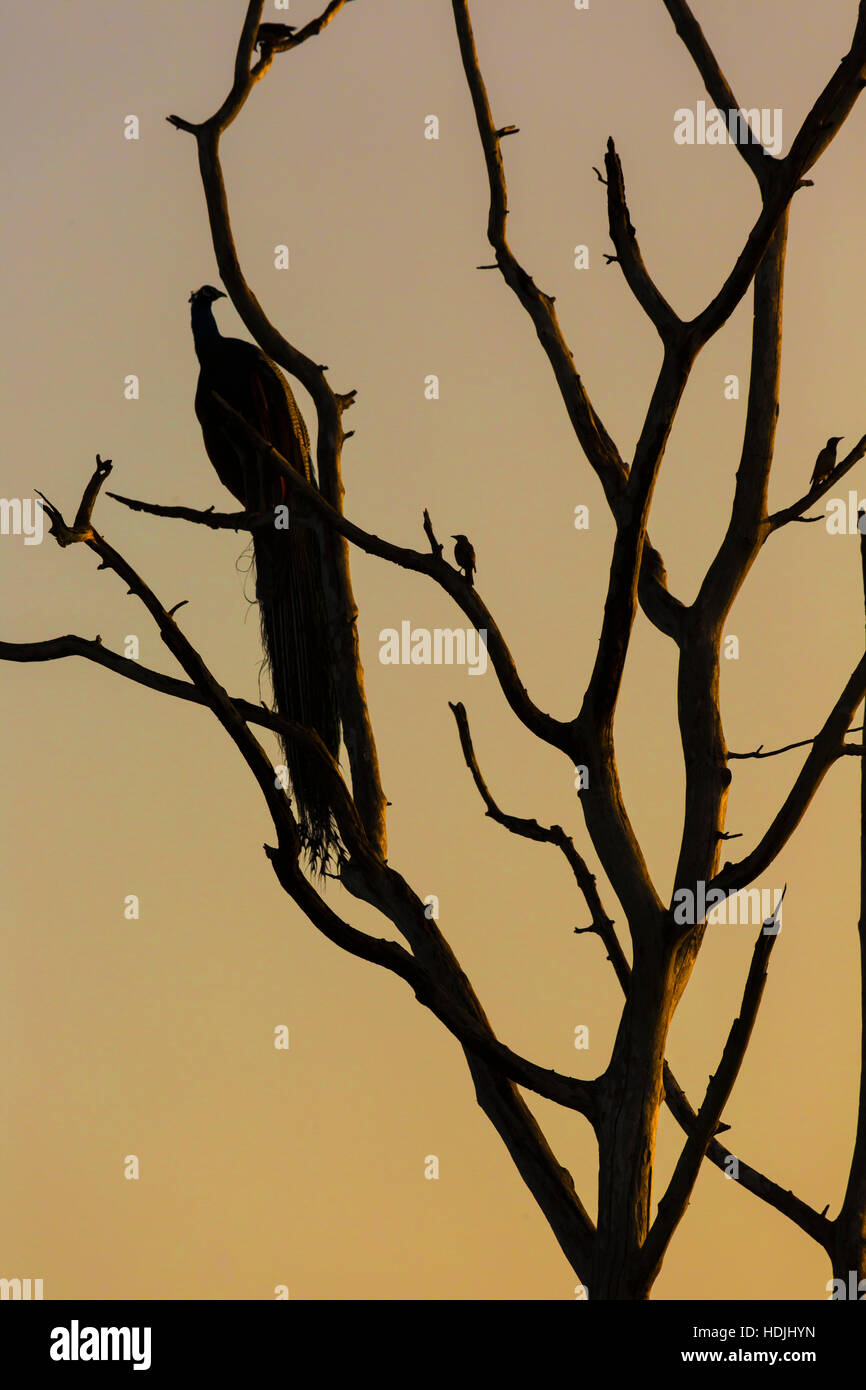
(298, 654)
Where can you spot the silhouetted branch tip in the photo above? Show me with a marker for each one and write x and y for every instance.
(435, 546)
(180, 124)
(214, 520)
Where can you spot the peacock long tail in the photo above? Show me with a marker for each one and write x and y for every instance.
(297, 651)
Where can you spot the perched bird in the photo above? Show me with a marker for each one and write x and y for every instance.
(465, 556)
(826, 460)
(288, 564)
(272, 35)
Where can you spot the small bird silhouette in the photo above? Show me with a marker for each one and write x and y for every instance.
(826, 460)
(465, 556)
(273, 36)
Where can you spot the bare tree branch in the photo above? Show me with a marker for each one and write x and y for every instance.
(55, 648)
(602, 924)
(602, 800)
(802, 743)
(786, 176)
(848, 1247)
(567, 1091)
(826, 748)
(795, 511)
(624, 238)
(755, 155)
(781, 1199)
(672, 1205)
(708, 776)
(661, 607)
(217, 521)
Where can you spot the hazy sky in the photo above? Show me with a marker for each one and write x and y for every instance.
(154, 1037)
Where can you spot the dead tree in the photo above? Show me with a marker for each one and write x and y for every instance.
(619, 1253)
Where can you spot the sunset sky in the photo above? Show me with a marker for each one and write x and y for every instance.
(154, 1036)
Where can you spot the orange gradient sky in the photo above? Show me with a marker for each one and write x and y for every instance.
(155, 1037)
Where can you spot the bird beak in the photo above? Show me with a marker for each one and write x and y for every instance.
(220, 294)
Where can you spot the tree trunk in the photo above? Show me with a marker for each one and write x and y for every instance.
(633, 1094)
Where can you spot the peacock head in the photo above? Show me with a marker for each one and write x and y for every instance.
(206, 295)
